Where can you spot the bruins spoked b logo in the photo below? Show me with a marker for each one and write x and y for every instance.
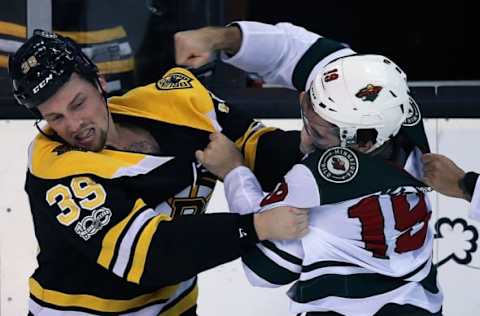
(338, 165)
(174, 80)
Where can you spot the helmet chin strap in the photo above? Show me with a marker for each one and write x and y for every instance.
(53, 136)
(104, 95)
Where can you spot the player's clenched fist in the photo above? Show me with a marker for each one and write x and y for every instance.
(283, 222)
(195, 48)
(220, 156)
(443, 175)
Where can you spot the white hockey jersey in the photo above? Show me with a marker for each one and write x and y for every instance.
(369, 242)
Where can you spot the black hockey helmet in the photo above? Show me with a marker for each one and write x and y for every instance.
(43, 64)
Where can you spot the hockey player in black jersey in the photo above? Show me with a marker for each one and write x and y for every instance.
(116, 195)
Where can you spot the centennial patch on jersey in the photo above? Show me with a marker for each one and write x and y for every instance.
(369, 93)
(91, 224)
(173, 81)
(61, 149)
(414, 115)
(338, 165)
(82, 195)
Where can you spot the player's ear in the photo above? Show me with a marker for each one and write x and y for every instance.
(301, 95)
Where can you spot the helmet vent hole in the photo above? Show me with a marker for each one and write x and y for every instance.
(331, 99)
(386, 61)
(399, 70)
(393, 94)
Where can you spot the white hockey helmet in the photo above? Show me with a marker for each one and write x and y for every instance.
(362, 92)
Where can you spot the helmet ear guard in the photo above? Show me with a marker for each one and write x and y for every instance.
(359, 92)
(43, 64)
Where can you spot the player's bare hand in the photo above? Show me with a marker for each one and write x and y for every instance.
(194, 48)
(281, 223)
(443, 175)
(220, 156)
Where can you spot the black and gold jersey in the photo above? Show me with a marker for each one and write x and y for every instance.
(124, 232)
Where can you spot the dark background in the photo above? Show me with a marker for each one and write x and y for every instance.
(430, 40)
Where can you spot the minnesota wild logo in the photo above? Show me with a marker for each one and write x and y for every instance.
(414, 115)
(369, 93)
(338, 165)
(174, 80)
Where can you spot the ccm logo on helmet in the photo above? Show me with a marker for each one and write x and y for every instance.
(42, 84)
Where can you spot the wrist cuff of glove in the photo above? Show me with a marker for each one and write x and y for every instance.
(246, 231)
(467, 184)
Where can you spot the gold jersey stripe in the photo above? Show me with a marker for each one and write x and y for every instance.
(143, 245)
(249, 141)
(47, 163)
(13, 29)
(246, 135)
(117, 66)
(111, 237)
(97, 303)
(3, 61)
(194, 191)
(91, 37)
(183, 305)
(96, 37)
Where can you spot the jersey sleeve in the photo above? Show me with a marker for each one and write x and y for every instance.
(284, 54)
(298, 189)
(269, 152)
(242, 190)
(180, 99)
(115, 225)
(272, 263)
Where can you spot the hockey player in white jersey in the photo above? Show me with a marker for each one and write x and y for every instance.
(369, 248)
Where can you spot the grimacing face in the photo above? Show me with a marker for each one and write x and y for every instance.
(316, 131)
(78, 114)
